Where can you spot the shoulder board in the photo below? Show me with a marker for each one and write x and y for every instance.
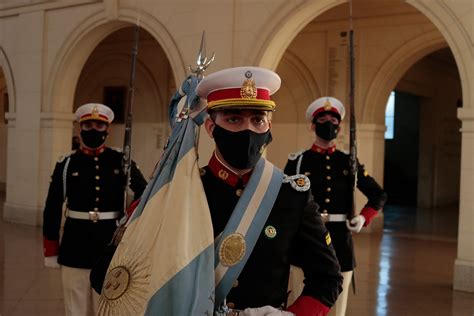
(294, 156)
(299, 182)
(61, 159)
(116, 149)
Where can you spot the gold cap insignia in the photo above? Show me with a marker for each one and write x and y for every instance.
(232, 249)
(249, 89)
(270, 231)
(327, 105)
(95, 112)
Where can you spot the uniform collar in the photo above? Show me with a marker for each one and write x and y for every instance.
(93, 151)
(223, 172)
(321, 150)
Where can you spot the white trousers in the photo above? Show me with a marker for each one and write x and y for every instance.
(79, 297)
(339, 309)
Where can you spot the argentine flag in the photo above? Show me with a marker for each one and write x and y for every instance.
(164, 264)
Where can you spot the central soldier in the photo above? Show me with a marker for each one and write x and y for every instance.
(263, 220)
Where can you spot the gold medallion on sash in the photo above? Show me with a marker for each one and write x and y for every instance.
(232, 249)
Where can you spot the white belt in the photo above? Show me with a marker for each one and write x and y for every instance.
(334, 217)
(93, 216)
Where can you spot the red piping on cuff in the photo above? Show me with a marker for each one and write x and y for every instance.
(308, 306)
(368, 213)
(50, 247)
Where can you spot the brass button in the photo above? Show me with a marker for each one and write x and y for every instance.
(327, 200)
(96, 209)
(96, 158)
(97, 199)
(328, 177)
(236, 283)
(97, 177)
(97, 188)
(231, 305)
(97, 167)
(325, 211)
(328, 167)
(238, 192)
(327, 157)
(328, 189)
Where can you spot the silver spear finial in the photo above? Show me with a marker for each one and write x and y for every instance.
(202, 61)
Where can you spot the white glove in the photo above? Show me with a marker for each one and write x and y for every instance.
(51, 262)
(265, 311)
(356, 223)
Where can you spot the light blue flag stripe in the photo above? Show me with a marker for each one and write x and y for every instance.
(184, 300)
(180, 142)
(190, 290)
(251, 237)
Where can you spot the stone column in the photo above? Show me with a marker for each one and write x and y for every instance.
(464, 264)
(56, 141)
(21, 203)
(371, 153)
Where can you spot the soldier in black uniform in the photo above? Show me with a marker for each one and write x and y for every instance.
(91, 182)
(331, 184)
(240, 120)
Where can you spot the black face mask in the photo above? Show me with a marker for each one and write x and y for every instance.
(243, 149)
(93, 138)
(327, 130)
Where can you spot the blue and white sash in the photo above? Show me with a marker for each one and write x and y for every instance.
(236, 242)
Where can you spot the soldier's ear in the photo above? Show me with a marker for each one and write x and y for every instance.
(312, 127)
(209, 125)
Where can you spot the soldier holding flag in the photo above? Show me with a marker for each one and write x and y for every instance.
(263, 220)
(91, 182)
(332, 185)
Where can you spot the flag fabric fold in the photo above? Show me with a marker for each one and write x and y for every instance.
(164, 264)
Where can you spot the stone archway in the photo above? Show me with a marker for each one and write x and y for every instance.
(70, 61)
(393, 69)
(455, 25)
(7, 73)
(7, 108)
(277, 36)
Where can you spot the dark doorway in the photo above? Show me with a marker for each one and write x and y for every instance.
(401, 152)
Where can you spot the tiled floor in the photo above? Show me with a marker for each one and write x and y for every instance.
(407, 270)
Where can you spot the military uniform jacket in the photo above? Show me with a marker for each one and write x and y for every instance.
(331, 184)
(301, 239)
(93, 183)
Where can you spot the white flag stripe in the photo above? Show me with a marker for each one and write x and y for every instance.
(250, 213)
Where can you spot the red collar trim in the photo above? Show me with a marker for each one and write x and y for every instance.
(93, 151)
(321, 150)
(221, 171)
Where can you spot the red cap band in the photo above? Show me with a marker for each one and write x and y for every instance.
(234, 93)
